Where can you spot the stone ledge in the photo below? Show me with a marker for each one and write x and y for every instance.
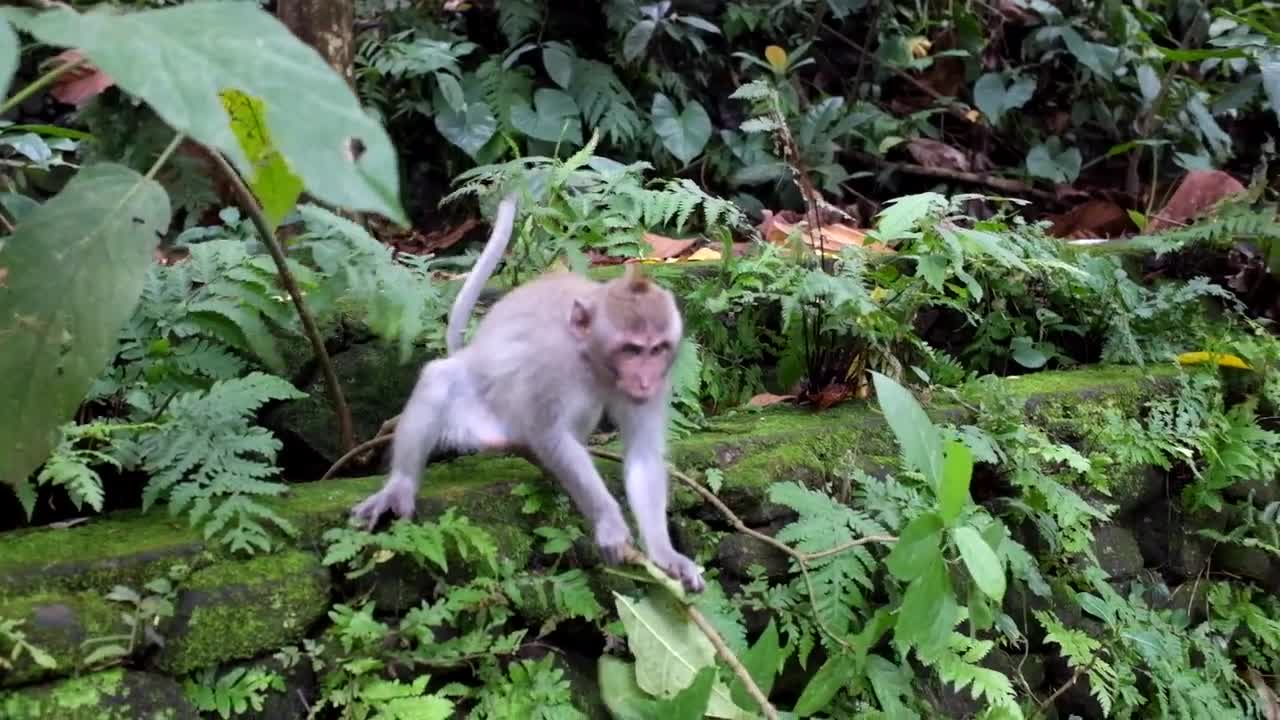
(752, 449)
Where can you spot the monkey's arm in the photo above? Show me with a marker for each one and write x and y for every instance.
(644, 429)
(562, 455)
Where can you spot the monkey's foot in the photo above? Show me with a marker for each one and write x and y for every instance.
(681, 568)
(396, 497)
(613, 538)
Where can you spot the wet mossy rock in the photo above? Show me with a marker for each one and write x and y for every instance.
(232, 609)
(237, 610)
(109, 695)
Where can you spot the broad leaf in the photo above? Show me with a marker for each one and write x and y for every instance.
(469, 130)
(928, 610)
(690, 703)
(637, 39)
(834, 674)
(994, 98)
(919, 548)
(1026, 354)
(553, 117)
(685, 134)
(921, 443)
(1052, 164)
(559, 60)
(984, 565)
(179, 59)
(670, 650)
(275, 186)
(622, 696)
(8, 56)
(957, 471)
(762, 661)
(1269, 64)
(70, 276)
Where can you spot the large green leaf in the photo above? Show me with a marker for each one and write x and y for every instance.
(762, 661)
(670, 650)
(553, 117)
(984, 565)
(919, 548)
(180, 59)
(622, 696)
(275, 186)
(8, 56)
(683, 134)
(920, 440)
(70, 276)
(928, 610)
(469, 130)
(1269, 64)
(957, 471)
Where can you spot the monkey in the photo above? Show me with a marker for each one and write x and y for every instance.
(544, 366)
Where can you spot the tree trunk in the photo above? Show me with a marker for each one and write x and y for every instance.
(325, 25)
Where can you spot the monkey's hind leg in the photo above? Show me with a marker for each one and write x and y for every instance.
(444, 411)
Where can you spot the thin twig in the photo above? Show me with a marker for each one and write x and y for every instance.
(998, 183)
(249, 204)
(1075, 676)
(802, 559)
(732, 661)
(39, 84)
(360, 449)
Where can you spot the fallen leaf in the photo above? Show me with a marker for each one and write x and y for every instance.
(832, 395)
(1199, 190)
(665, 247)
(4, 275)
(79, 84)
(835, 236)
(767, 399)
(932, 153)
(1092, 219)
(705, 253)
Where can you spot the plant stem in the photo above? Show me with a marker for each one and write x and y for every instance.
(39, 84)
(164, 156)
(249, 204)
(732, 661)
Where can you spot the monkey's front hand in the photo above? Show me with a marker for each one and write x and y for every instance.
(681, 568)
(394, 496)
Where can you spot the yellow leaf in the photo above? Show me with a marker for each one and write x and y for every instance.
(1220, 359)
(777, 58)
(705, 253)
(272, 182)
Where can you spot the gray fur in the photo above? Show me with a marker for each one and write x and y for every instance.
(524, 384)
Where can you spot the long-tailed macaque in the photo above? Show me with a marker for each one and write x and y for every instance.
(544, 365)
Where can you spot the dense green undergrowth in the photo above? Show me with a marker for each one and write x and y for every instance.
(146, 382)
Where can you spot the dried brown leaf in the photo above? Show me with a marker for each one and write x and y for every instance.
(768, 399)
(1199, 191)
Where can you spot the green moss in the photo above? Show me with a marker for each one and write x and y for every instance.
(121, 548)
(58, 623)
(114, 694)
(235, 610)
(753, 449)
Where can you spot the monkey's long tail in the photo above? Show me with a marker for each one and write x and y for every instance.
(465, 302)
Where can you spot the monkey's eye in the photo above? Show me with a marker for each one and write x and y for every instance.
(632, 349)
(659, 349)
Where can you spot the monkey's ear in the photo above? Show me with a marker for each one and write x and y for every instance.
(579, 319)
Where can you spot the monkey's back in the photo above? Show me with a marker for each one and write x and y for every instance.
(526, 363)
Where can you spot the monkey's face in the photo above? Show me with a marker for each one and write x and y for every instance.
(639, 367)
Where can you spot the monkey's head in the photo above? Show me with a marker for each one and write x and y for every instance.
(629, 329)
